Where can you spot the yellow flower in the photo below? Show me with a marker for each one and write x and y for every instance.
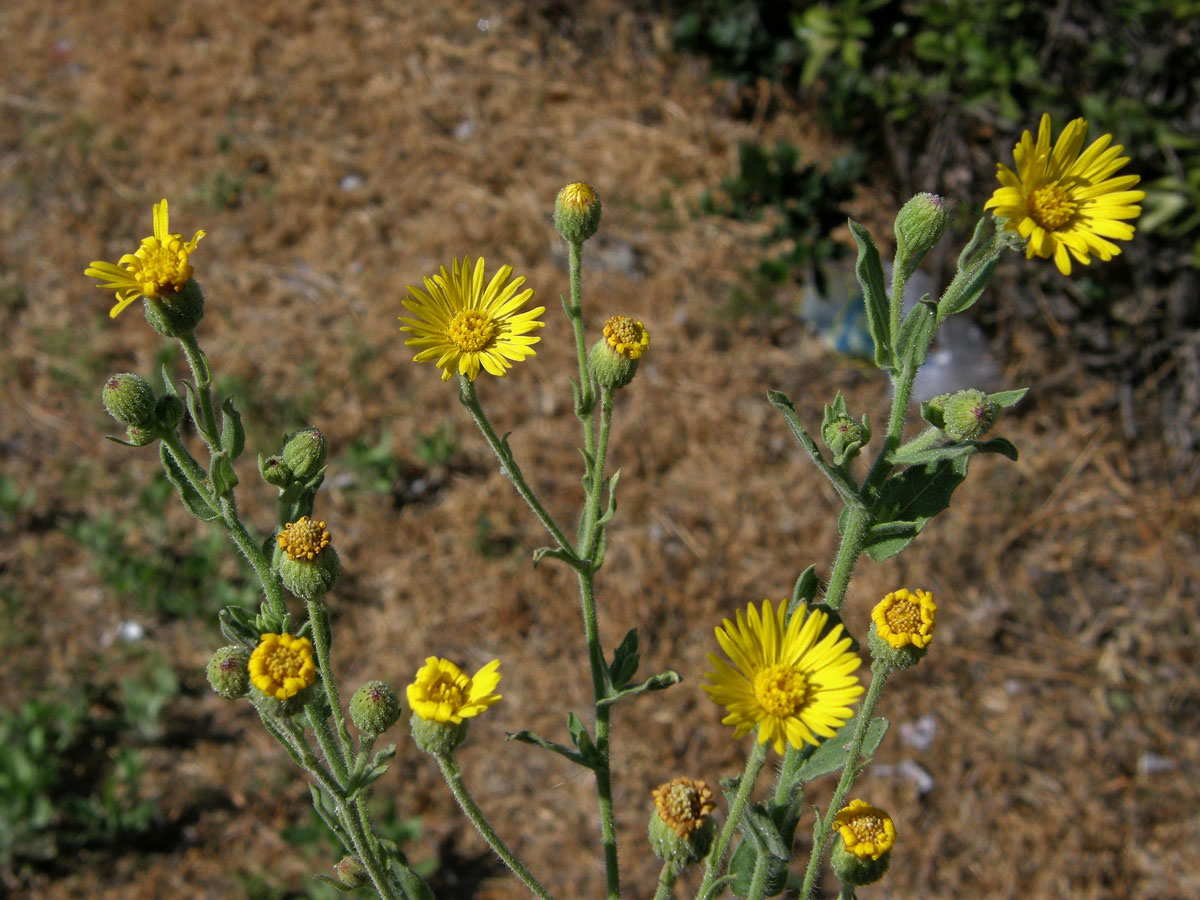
(466, 326)
(790, 682)
(627, 336)
(1064, 202)
(282, 665)
(303, 539)
(442, 692)
(684, 804)
(867, 832)
(902, 618)
(157, 269)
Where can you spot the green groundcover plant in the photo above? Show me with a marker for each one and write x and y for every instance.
(789, 669)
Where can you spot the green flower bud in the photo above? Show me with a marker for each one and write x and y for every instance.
(178, 314)
(843, 436)
(920, 224)
(273, 471)
(614, 359)
(229, 673)
(351, 872)
(141, 435)
(968, 415)
(374, 708)
(168, 413)
(304, 453)
(129, 399)
(862, 848)
(309, 566)
(577, 212)
(681, 827)
(438, 738)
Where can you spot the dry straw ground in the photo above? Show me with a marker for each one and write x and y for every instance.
(336, 152)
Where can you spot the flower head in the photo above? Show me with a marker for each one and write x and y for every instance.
(903, 618)
(787, 680)
(466, 325)
(867, 832)
(627, 336)
(158, 269)
(282, 665)
(1066, 203)
(303, 539)
(683, 804)
(577, 212)
(442, 692)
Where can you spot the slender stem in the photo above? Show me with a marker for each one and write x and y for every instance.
(318, 615)
(823, 831)
(897, 301)
(858, 523)
(716, 856)
(575, 314)
(453, 775)
(329, 745)
(202, 374)
(922, 441)
(591, 533)
(470, 400)
(378, 869)
(758, 880)
(666, 882)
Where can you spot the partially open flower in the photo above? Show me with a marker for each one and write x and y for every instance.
(901, 627)
(442, 698)
(577, 212)
(681, 827)
(309, 566)
(863, 845)
(282, 666)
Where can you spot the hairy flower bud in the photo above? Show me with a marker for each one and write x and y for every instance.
(681, 827)
(309, 566)
(614, 359)
(273, 471)
(920, 224)
(968, 415)
(176, 314)
(862, 847)
(843, 436)
(438, 738)
(129, 399)
(351, 872)
(229, 672)
(141, 435)
(374, 708)
(304, 453)
(577, 212)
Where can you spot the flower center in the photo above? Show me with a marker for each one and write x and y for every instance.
(285, 662)
(627, 336)
(868, 829)
(446, 690)
(304, 538)
(781, 691)
(1052, 206)
(578, 196)
(903, 617)
(683, 804)
(157, 266)
(472, 331)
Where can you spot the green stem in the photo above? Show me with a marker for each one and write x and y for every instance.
(858, 523)
(824, 830)
(202, 375)
(575, 315)
(318, 615)
(453, 775)
(591, 533)
(897, 301)
(666, 882)
(470, 400)
(758, 880)
(716, 856)
(922, 441)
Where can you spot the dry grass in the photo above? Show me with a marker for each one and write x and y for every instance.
(372, 144)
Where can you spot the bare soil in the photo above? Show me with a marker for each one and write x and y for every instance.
(336, 152)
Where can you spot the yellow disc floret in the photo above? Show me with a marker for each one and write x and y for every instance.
(903, 618)
(627, 336)
(303, 539)
(684, 804)
(867, 832)
(282, 665)
(442, 692)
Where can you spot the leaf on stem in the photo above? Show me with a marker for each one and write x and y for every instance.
(805, 589)
(916, 334)
(625, 660)
(831, 755)
(233, 435)
(869, 272)
(658, 682)
(195, 502)
(528, 737)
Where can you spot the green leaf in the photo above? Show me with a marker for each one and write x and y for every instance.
(528, 737)
(831, 755)
(580, 737)
(761, 828)
(975, 283)
(907, 501)
(221, 473)
(1005, 399)
(916, 334)
(625, 660)
(233, 435)
(238, 626)
(189, 399)
(168, 387)
(195, 502)
(955, 450)
(869, 271)
(805, 589)
(741, 867)
(979, 240)
(659, 682)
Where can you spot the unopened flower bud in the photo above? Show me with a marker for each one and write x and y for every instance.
(842, 434)
(129, 399)
(176, 314)
(168, 413)
(229, 672)
(577, 212)
(968, 415)
(351, 872)
(273, 471)
(141, 435)
(681, 827)
(614, 359)
(304, 453)
(863, 845)
(374, 708)
(920, 224)
(309, 566)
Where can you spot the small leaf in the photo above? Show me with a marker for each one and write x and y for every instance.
(221, 473)
(916, 334)
(625, 660)
(976, 282)
(762, 828)
(831, 755)
(658, 682)
(196, 503)
(579, 736)
(805, 589)
(869, 271)
(233, 435)
(528, 737)
(912, 497)
(168, 387)
(237, 625)
(1005, 399)
(189, 399)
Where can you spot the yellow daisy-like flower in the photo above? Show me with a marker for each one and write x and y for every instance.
(684, 804)
(466, 325)
(442, 692)
(867, 832)
(282, 665)
(1066, 203)
(157, 269)
(902, 618)
(792, 684)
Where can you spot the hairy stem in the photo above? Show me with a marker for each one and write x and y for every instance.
(716, 856)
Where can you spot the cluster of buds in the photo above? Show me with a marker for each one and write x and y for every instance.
(300, 462)
(130, 400)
